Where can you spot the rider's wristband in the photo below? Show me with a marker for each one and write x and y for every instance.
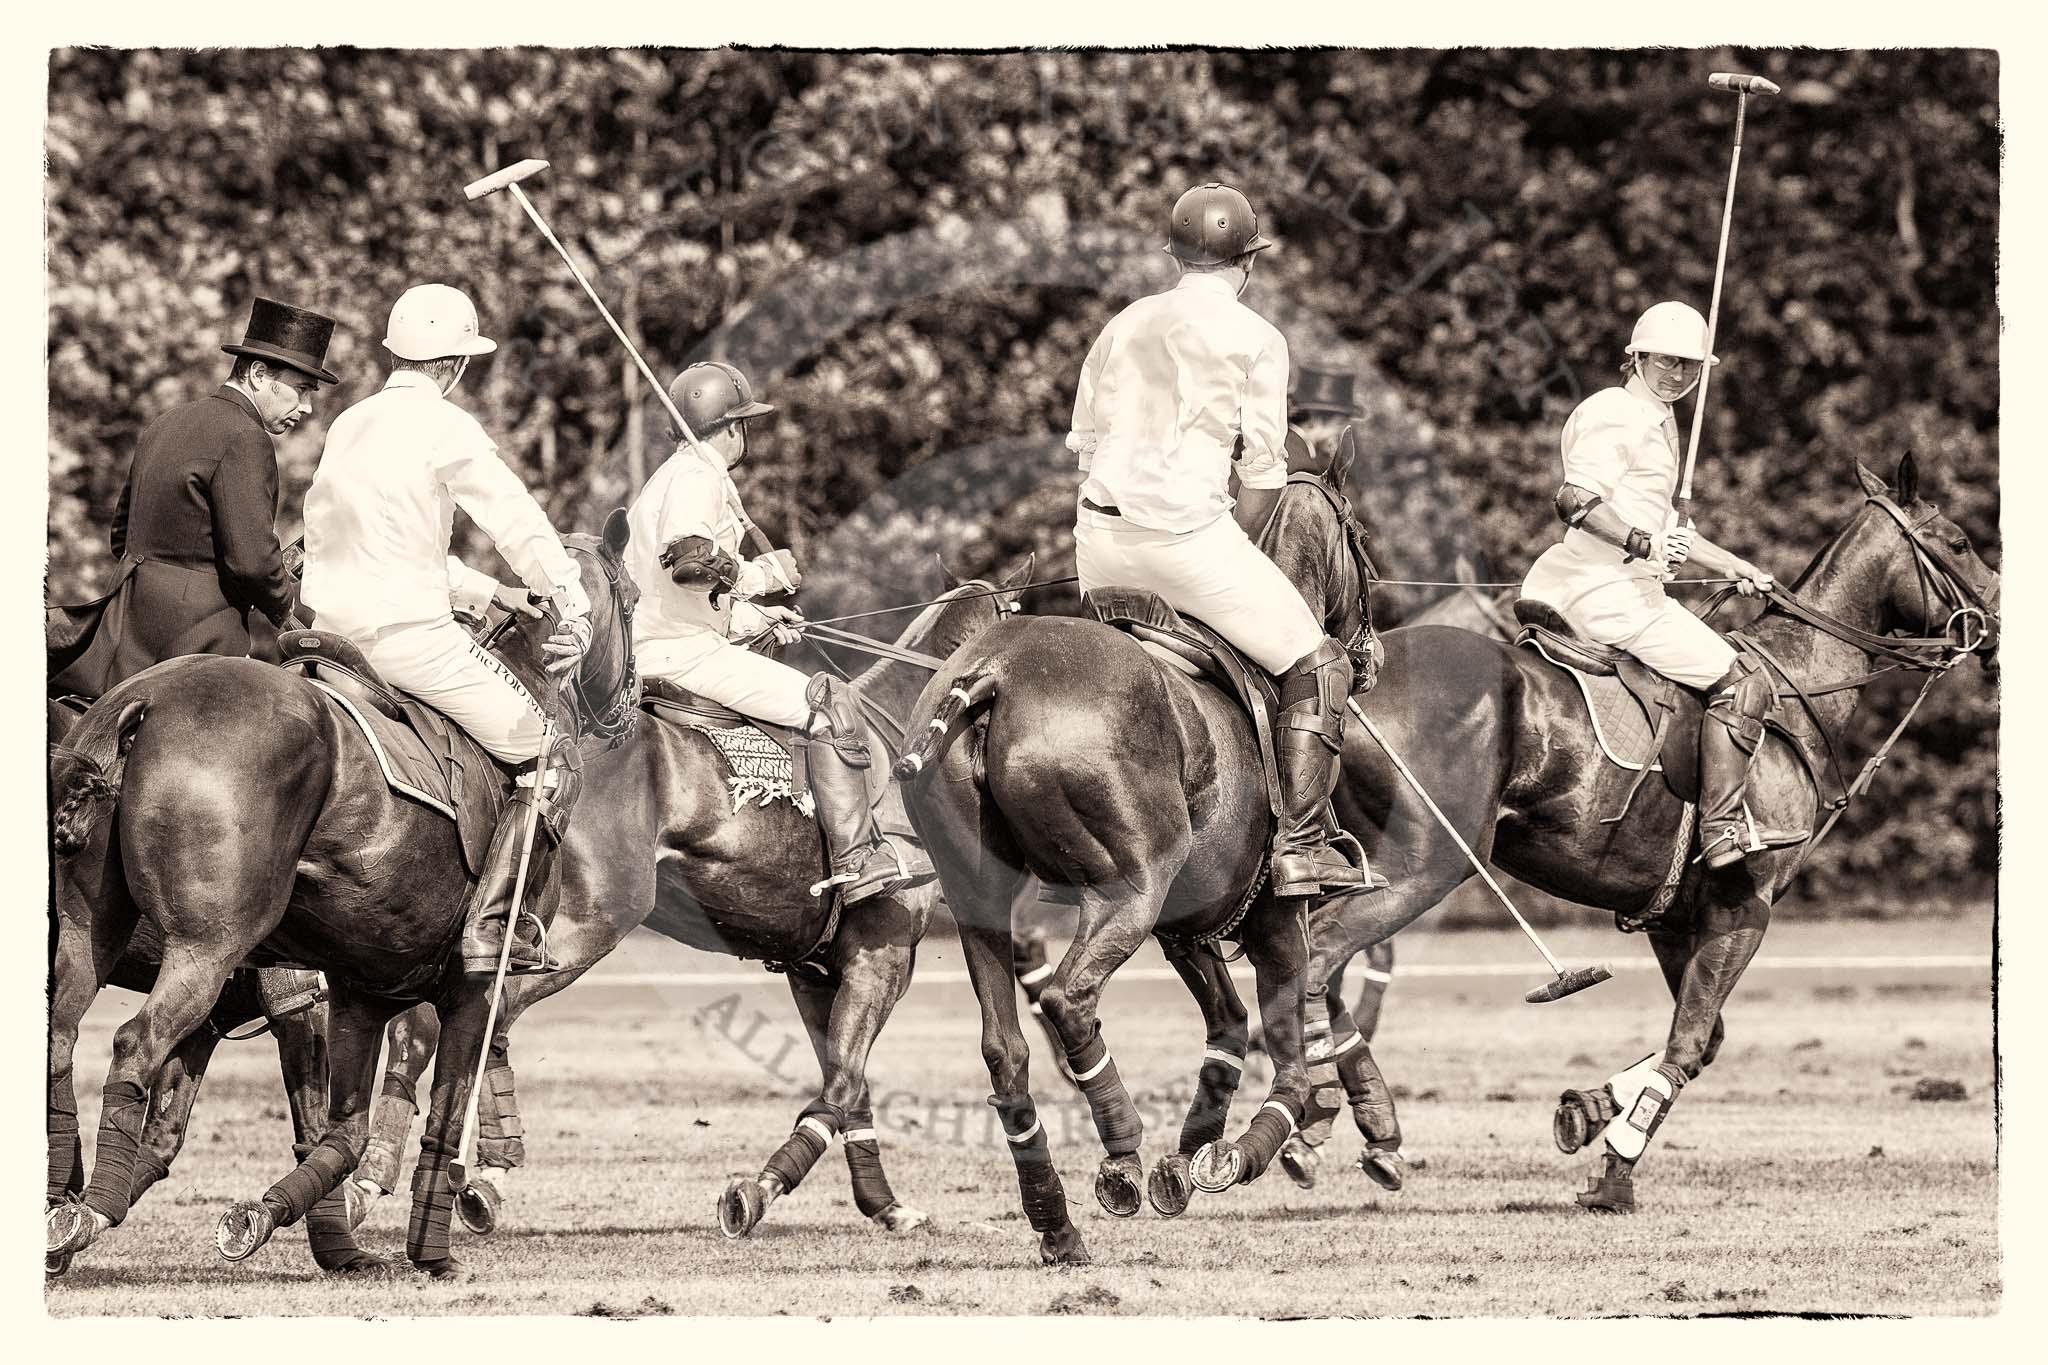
(1635, 545)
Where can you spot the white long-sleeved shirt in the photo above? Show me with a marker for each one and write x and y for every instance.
(381, 511)
(1621, 443)
(1166, 391)
(687, 496)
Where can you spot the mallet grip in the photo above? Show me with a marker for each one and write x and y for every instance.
(498, 180)
(1748, 85)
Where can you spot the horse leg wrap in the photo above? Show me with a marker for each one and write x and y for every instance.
(1270, 1127)
(1116, 1118)
(1215, 1087)
(500, 1134)
(1372, 1100)
(149, 1169)
(433, 1201)
(124, 1108)
(1323, 1082)
(1038, 1181)
(328, 1235)
(800, 1151)
(322, 1167)
(871, 1192)
(390, 1127)
(1643, 1095)
(67, 1156)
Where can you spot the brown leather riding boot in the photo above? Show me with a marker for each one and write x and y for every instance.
(1308, 742)
(491, 905)
(1729, 734)
(864, 862)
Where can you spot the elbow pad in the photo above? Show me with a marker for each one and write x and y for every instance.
(1574, 503)
(694, 562)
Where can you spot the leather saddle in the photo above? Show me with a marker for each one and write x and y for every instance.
(422, 753)
(1186, 645)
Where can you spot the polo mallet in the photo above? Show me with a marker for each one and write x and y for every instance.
(1742, 86)
(508, 179)
(1567, 983)
(465, 1152)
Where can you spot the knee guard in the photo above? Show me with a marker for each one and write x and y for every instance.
(1739, 700)
(1312, 693)
(555, 791)
(832, 701)
(285, 991)
(1642, 1097)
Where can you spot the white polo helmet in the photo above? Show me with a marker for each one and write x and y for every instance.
(433, 320)
(1671, 328)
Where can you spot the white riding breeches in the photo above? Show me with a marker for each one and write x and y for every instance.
(1214, 574)
(440, 664)
(714, 667)
(1634, 614)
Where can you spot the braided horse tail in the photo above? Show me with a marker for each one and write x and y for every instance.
(85, 774)
(969, 690)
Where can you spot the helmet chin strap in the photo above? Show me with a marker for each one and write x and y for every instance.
(451, 385)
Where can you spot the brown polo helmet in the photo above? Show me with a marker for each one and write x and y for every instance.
(712, 395)
(1212, 224)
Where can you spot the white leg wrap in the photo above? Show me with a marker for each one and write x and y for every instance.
(1641, 1095)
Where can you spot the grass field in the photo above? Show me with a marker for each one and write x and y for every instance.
(1799, 1174)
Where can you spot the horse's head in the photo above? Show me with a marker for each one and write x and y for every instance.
(602, 691)
(1320, 546)
(1932, 581)
(968, 607)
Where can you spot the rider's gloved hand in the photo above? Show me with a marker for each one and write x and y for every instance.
(1751, 581)
(780, 567)
(1671, 547)
(567, 646)
(786, 623)
(518, 601)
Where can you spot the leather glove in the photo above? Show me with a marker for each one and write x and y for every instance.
(567, 646)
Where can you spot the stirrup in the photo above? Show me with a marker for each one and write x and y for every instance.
(843, 878)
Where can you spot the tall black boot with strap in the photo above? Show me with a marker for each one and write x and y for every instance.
(1310, 743)
(864, 862)
(483, 932)
(1729, 734)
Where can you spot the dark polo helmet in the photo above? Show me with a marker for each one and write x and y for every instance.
(712, 395)
(1212, 224)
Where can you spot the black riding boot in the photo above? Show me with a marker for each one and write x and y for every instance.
(1309, 741)
(1729, 733)
(491, 905)
(864, 862)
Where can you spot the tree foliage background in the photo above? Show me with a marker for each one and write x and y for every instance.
(911, 254)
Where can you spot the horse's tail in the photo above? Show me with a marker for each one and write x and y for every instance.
(85, 774)
(976, 687)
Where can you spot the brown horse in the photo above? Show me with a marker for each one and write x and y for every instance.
(1059, 748)
(225, 804)
(673, 852)
(1499, 737)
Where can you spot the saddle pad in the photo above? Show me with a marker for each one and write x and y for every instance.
(435, 781)
(1621, 725)
(757, 769)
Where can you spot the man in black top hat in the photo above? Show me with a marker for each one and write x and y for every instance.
(195, 528)
(1319, 407)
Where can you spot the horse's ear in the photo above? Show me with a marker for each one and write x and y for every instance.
(1347, 454)
(617, 531)
(1907, 480)
(1022, 575)
(952, 579)
(1872, 484)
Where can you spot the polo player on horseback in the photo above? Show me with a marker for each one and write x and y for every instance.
(1622, 458)
(379, 517)
(688, 525)
(1179, 387)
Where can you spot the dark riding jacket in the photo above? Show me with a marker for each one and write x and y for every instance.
(195, 531)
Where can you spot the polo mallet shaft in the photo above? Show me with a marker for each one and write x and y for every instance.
(1741, 85)
(1567, 983)
(508, 179)
(465, 1152)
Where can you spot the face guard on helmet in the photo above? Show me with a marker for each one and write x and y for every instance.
(712, 395)
(1671, 329)
(1212, 224)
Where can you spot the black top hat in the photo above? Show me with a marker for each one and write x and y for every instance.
(1323, 391)
(290, 336)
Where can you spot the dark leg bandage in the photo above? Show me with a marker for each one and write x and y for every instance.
(124, 1109)
(1372, 1100)
(67, 1156)
(1116, 1118)
(149, 1169)
(328, 1235)
(433, 1201)
(1038, 1181)
(800, 1151)
(500, 1134)
(1261, 1141)
(321, 1168)
(1215, 1087)
(871, 1192)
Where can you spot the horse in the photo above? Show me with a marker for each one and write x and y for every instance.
(1499, 736)
(679, 853)
(225, 803)
(1057, 747)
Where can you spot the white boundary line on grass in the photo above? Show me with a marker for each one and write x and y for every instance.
(1980, 961)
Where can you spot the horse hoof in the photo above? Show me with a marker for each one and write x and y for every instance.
(902, 1218)
(360, 1262)
(1064, 1248)
(1116, 1186)
(1570, 1127)
(243, 1229)
(740, 1207)
(1383, 1168)
(447, 1268)
(1299, 1160)
(1216, 1167)
(360, 1196)
(1609, 1194)
(67, 1230)
(477, 1205)
(1169, 1188)
(54, 1265)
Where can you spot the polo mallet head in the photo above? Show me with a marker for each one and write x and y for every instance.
(1569, 983)
(1736, 81)
(503, 179)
